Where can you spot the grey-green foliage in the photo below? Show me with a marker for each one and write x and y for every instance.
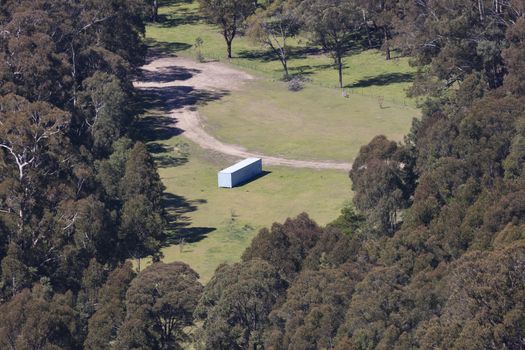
(110, 171)
(331, 24)
(160, 304)
(236, 303)
(106, 105)
(228, 15)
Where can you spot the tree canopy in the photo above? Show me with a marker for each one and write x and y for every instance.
(68, 223)
(228, 15)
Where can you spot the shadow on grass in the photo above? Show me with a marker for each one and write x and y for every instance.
(157, 103)
(157, 147)
(178, 229)
(177, 16)
(269, 55)
(261, 175)
(158, 49)
(166, 156)
(383, 80)
(166, 99)
(169, 161)
(180, 17)
(311, 69)
(155, 128)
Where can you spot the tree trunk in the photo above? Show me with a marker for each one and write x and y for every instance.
(498, 6)
(367, 30)
(368, 36)
(74, 74)
(229, 34)
(284, 61)
(229, 48)
(229, 43)
(387, 45)
(340, 70)
(155, 11)
(481, 10)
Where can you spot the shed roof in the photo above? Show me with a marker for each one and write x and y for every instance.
(240, 165)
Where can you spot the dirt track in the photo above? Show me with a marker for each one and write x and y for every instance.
(170, 76)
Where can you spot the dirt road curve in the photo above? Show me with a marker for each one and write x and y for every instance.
(169, 76)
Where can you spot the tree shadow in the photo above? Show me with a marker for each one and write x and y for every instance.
(157, 49)
(311, 69)
(255, 178)
(157, 147)
(181, 17)
(156, 124)
(167, 74)
(169, 161)
(166, 156)
(150, 128)
(178, 229)
(166, 99)
(269, 55)
(383, 79)
(177, 17)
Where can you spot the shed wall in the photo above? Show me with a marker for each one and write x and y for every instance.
(240, 175)
(225, 180)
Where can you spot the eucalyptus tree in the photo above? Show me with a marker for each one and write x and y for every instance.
(332, 24)
(236, 303)
(228, 15)
(162, 298)
(384, 14)
(272, 25)
(32, 137)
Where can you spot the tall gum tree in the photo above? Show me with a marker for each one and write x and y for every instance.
(228, 15)
(28, 134)
(331, 24)
(272, 26)
(384, 14)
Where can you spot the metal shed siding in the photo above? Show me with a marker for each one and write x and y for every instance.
(225, 180)
(240, 172)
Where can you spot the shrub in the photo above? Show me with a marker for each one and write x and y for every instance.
(296, 84)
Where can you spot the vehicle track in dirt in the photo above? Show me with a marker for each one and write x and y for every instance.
(179, 84)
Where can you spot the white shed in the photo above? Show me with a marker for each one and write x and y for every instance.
(240, 173)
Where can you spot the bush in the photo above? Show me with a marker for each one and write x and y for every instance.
(296, 84)
(199, 57)
(197, 46)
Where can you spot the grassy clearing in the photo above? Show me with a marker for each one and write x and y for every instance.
(314, 124)
(220, 223)
(366, 72)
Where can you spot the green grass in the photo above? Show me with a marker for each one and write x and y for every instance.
(237, 214)
(366, 72)
(315, 123)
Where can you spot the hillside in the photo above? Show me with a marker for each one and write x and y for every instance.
(390, 213)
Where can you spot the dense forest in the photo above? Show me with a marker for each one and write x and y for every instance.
(78, 196)
(430, 255)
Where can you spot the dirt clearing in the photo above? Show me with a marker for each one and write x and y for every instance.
(171, 76)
